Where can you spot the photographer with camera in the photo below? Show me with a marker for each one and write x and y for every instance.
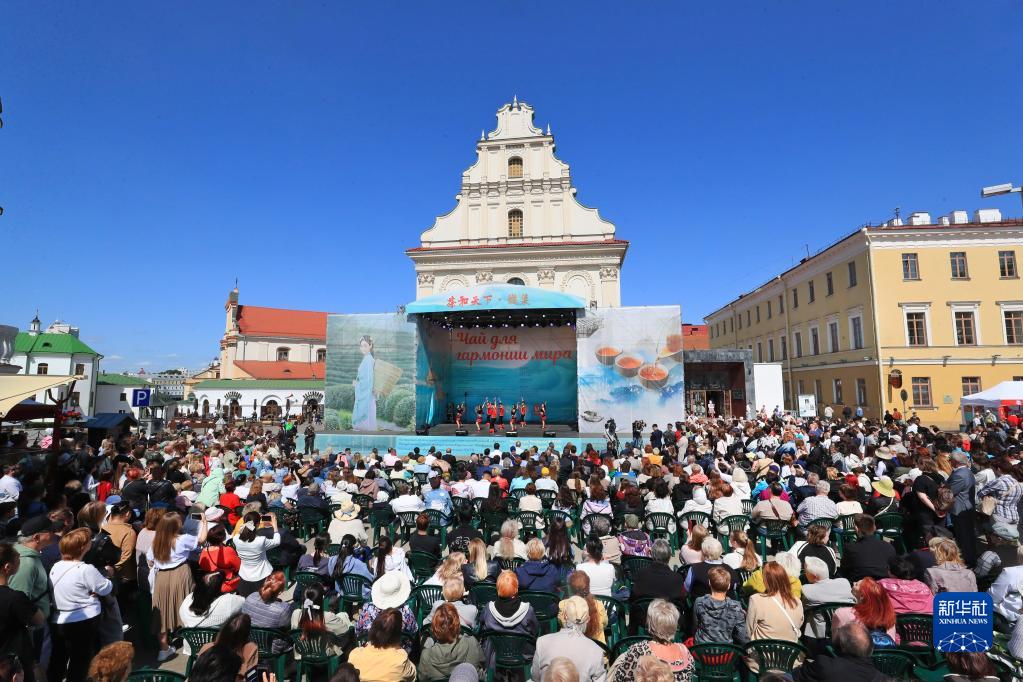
(637, 433)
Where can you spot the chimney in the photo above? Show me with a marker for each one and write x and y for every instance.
(959, 217)
(920, 218)
(987, 215)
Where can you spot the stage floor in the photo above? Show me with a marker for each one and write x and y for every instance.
(460, 445)
(527, 431)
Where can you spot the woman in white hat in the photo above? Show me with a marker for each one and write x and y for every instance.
(390, 591)
(346, 521)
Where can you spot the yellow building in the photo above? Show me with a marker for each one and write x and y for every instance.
(938, 306)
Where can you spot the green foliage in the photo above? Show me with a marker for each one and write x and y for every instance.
(405, 411)
(345, 417)
(391, 404)
(341, 397)
(331, 420)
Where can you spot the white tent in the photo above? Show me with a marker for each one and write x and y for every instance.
(1005, 393)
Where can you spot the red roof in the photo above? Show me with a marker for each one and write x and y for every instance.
(299, 324)
(507, 246)
(266, 369)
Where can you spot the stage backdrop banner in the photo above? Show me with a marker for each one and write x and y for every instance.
(630, 367)
(371, 364)
(535, 364)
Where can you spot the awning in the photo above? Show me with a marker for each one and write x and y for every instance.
(110, 420)
(1005, 393)
(494, 297)
(14, 388)
(28, 410)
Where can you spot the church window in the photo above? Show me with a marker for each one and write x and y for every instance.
(514, 223)
(42, 368)
(517, 281)
(321, 355)
(282, 354)
(514, 167)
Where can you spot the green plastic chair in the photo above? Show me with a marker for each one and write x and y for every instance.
(509, 653)
(406, 524)
(826, 612)
(584, 526)
(264, 639)
(824, 522)
(437, 523)
(774, 655)
(889, 527)
(631, 565)
(916, 636)
(773, 529)
(636, 607)
(333, 549)
(422, 564)
(616, 611)
(311, 521)
(529, 525)
(274, 557)
(304, 579)
(747, 507)
(425, 597)
(716, 661)
(381, 520)
(354, 589)
(490, 524)
(662, 525)
(730, 523)
(312, 654)
(547, 498)
(844, 530)
(286, 518)
(365, 503)
(622, 645)
(545, 605)
(196, 638)
(689, 519)
(153, 675)
(896, 664)
(509, 564)
(483, 593)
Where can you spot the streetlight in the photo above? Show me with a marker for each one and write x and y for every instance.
(1004, 188)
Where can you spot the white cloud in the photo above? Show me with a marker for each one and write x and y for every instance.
(171, 355)
(113, 357)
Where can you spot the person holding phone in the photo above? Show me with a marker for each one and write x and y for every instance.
(170, 574)
(258, 534)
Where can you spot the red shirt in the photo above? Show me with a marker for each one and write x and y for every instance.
(225, 560)
(230, 500)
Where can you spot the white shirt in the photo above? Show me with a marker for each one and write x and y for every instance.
(220, 611)
(11, 486)
(480, 488)
(184, 544)
(338, 529)
(289, 492)
(75, 585)
(461, 489)
(408, 503)
(253, 557)
(602, 576)
(546, 484)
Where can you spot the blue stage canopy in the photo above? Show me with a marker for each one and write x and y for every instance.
(494, 297)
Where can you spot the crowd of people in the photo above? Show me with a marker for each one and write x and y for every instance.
(599, 564)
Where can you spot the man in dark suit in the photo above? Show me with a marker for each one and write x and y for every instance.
(869, 555)
(656, 581)
(852, 663)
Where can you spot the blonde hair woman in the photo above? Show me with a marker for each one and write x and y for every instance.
(949, 573)
(691, 552)
(453, 593)
(451, 567)
(509, 546)
(477, 568)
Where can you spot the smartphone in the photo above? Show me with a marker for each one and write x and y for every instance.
(267, 518)
(196, 516)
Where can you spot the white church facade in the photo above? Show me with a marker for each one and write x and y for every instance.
(517, 220)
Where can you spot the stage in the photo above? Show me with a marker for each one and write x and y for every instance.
(527, 431)
(461, 446)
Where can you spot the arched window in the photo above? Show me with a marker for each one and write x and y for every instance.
(514, 223)
(514, 167)
(321, 355)
(42, 368)
(282, 354)
(517, 281)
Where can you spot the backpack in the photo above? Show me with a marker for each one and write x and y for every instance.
(881, 639)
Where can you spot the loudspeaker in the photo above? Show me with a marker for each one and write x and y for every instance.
(461, 432)
(550, 434)
(511, 434)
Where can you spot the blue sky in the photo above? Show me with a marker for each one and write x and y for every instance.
(152, 152)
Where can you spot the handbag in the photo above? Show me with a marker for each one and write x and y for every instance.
(988, 504)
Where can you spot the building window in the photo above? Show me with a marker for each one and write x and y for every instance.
(811, 295)
(760, 351)
(514, 223)
(861, 392)
(818, 394)
(514, 167)
(910, 266)
(747, 319)
(795, 298)
(79, 369)
(784, 348)
(797, 342)
(971, 385)
(731, 324)
(916, 329)
(815, 341)
(836, 386)
(966, 328)
(1007, 265)
(282, 354)
(76, 399)
(42, 368)
(769, 310)
(852, 273)
(856, 331)
(123, 398)
(321, 355)
(770, 350)
(758, 314)
(957, 259)
(802, 387)
(833, 337)
(921, 391)
(740, 320)
(1013, 326)
(781, 303)
(830, 283)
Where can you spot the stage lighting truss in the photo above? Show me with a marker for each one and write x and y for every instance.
(503, 319)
